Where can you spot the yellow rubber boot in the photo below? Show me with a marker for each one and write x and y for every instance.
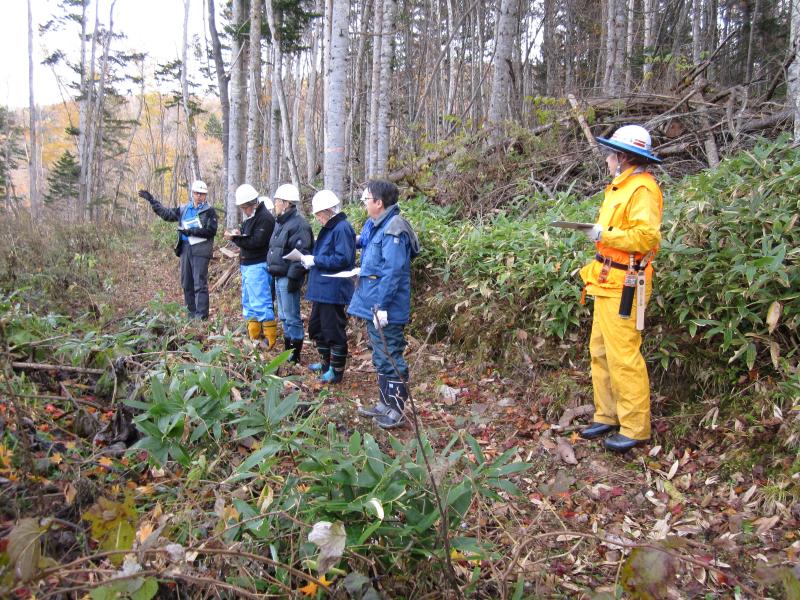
(254, 330)
(270, 331)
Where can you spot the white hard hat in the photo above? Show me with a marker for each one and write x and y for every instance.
(200, 187)
(266, 201)
(632, 139)
(287, 192)
(323, 199)
(245, 193)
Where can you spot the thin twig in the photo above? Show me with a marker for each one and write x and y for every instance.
(451, 573)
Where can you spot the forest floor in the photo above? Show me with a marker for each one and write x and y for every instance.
(582, 509)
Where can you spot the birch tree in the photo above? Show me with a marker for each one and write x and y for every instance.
(337, 18)
(794, 68)
(254, 90)
(236, 115)
(375, 82)
(385, 88)
(187, 105)
(501, 67)
(222, 86)
(277, 80)
(311, 103)
(33, 162)
(649, 22)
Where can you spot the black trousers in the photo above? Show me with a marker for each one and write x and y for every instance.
(328, 324)
(194, 281)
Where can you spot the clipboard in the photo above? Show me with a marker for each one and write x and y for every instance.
(571, 225)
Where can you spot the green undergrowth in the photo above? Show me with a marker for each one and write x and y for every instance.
(725, 312)
(231, 451)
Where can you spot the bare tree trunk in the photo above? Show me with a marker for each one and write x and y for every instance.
(377, 40)
(352, 144)
(277, 79)
(222, 85)
(254, 89)
(649, 29)
(274, 129)
(794, 69)
(96, 119)
(83, 116)
(187, 110)
(631, 37)
(335, 95)
(697, 39)
(615, 50)
(501, 67)
(452, 63)
(311, 107)
(33, 163)
(236, 115)
(384, 93)
(751, 42)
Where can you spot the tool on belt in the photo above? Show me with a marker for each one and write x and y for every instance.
(635, 283)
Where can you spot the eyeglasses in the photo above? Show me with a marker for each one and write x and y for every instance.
(368, 199)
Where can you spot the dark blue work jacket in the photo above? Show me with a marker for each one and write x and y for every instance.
(334, 251)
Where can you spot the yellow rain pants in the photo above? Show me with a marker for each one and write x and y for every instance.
(619, 373)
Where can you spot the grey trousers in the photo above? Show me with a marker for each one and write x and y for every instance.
(194, 281)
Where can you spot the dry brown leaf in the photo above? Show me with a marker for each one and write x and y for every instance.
(565, 451)
(774, 315)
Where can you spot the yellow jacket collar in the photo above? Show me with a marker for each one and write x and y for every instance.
(625, 174)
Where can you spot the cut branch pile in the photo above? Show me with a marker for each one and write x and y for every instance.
(691, 131)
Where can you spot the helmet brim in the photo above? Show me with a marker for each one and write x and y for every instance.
(628, 149)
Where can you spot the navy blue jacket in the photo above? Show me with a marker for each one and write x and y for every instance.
(385, 278)
(334, 251)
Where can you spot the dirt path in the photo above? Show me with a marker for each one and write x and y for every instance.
(724, 521)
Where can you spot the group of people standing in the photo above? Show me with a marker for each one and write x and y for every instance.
(269, 266)
(626, 237)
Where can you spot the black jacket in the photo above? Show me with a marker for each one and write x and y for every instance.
(291, 231)
(208, 220)
(256, 231)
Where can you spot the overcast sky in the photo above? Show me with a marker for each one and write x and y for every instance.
(152, 26)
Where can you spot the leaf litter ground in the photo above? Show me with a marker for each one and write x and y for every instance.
(581, 511)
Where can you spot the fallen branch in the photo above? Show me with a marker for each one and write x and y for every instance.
(574, 413)
(45, 367)
(223, 279)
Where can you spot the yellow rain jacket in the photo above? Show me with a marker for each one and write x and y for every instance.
(631, 212)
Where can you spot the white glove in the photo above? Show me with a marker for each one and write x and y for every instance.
(307, 260)
(595, 232)
(380, 318)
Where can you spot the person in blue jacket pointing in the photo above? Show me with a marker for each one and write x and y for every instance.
(383, 297)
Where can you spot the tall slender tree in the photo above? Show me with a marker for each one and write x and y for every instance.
(33, 162)
(502, 66)
(337, 18)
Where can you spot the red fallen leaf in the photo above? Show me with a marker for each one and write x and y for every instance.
(50, 408)
(676, 510)
(568, 514)
(614, 492)
(3, 544)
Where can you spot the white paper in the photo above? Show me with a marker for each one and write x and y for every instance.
(294, 255)
(345, 274)
(191, 223)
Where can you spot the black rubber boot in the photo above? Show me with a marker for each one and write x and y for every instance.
(596, 430)
(396, 396)
(324, 359)
(338, 363)
(380, 408)
(297, 347)
(621, 443)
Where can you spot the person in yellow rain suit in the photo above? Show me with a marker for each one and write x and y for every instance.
(627, 237)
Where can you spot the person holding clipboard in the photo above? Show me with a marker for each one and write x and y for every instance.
(626, 236)
(197, 227)
(252, 238)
